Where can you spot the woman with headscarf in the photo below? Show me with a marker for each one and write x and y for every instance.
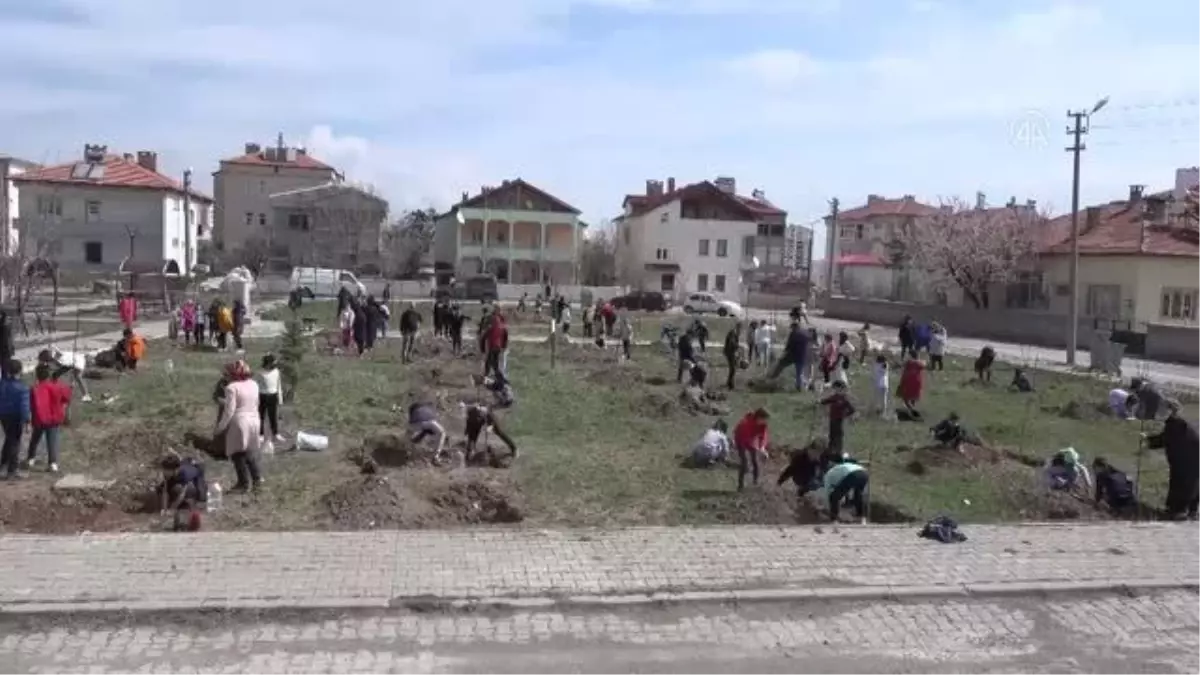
(239, 422)
(373, 318)
(187, 321)
(360, 325)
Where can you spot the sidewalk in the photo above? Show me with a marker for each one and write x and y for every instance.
(387, 568)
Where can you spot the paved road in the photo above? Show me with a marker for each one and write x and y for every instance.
(1090, 633)
(380, 568)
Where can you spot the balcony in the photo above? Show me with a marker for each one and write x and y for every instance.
(503, 252)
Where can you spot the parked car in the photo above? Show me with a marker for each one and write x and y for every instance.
(707, 303)
(322, 282)
(649, 301)
(481, 287)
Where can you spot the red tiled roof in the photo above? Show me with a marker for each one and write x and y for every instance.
(118, 173)
(478, 199)
(905, 206)
(302, 161)
(761, 207)
(1119, 229)
(751, 207)
(860, 259)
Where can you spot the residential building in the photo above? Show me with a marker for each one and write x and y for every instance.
(857, 252)
(337, 224)
(699, 237)
(517, 231)
(10, 200)
(95, 213)
(1139, 261)
(243, 186)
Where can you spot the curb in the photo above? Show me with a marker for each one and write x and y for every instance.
(427, 603)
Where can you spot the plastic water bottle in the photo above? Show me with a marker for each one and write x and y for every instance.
(214, 497)
(169, 364)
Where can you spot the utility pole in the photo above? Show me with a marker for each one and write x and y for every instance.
(830, 239)
(188, 263)
(1079, 122)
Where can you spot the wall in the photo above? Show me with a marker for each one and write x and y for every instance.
(1173, 343)
(413, 290)
(1141, 278)
(1039, 328)
(240, 189)
(141, 210)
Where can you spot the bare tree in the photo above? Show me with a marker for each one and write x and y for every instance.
(974, 248)
(34, 263)
(408, 242)
(598, 255)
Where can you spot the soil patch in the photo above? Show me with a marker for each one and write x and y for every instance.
(1078, 410)
(423, 499)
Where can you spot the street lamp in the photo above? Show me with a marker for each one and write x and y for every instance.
(1077, 130)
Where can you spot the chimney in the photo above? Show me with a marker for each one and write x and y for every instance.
(1092, 219)
(290, 154)
(980, 200)
(301, 151)
(94, 153)
(670, 184)
(1031, 204)
(465, 196)
(654, 188)
(148, 160)
(910, 198)
(1012, 202)
(128, 157)
(758, 194)
(253, 148)
(871, 199)
(727, 185)
(1135, 193)
(1156, 211)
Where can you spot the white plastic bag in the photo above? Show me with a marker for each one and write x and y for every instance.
(311, 442)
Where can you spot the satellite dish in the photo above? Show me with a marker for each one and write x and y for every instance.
(750, 265)
(458, 215)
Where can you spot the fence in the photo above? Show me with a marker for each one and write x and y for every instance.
(408, 289)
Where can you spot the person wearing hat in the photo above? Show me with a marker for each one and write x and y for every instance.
(1182, 447)
(239, 423)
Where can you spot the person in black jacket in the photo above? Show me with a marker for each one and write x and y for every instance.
(687, 353)
(1178, 438)
(733, 340)
(6, 338)
(1112, 486)
(699, 333)
(454, 320)
(795, 352)
(907, 337)
(410, 322)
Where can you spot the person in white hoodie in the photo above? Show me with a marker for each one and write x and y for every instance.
(880, 386)
(937, 346)
(845, 356)
(764, 336)
(63, 363)
(346, 323)
(269, 392)
(713, 447)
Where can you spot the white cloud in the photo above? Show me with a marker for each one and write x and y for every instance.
(776, 67)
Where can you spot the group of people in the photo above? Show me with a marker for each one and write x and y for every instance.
(214, 325)
(361, 321)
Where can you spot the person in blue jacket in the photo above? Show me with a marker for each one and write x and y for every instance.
(14, 416)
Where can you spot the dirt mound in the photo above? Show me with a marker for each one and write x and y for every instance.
(698, 402)
(655, 404)
(390, 450)
(428, 499)
(374, 502)
(487, 455)
(616, 378)
(757, 505)
(477, 501)
(31, 507)
(1078, 410)
(765, 385)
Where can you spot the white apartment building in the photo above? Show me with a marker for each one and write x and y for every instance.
(96, 213)
(696, 238)
(10, 200)
(243, 186)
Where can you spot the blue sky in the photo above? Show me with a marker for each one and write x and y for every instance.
(805, 99)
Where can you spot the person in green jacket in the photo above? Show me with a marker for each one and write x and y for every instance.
(846, 479)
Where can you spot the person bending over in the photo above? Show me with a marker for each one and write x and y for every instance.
(478, 419)
(423, 422)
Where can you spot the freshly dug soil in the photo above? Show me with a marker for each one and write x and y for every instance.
(424, 499)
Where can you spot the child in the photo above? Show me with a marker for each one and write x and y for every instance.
(1063, 471)
(846, 479)
(62, 363)
(1112, 486)
(750, 440)
(455, 320)
(199, 326)
(845, 354)
(949, 433)
(625, 334)
(1122, 404)
(937, 346)
(50, 405)
(1020, 382)
(983, 364)
(14, 415)
(713, 447)
(764, 336)
(346, 324)
(187, 321)
(880, 385)
(864, 343)
(841, 408)
(751, 341)
(183, 489)
(422, 422)
(911, 383)
(268, 398)
(131, 349)
(697, 375)
(828, 358)
(479, 418)
(802, 469)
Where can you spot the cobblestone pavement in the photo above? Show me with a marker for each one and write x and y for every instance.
(1089, 633)
(363, 569)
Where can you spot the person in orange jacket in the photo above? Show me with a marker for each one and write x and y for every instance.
(130, 350)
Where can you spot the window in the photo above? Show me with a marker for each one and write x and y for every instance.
(1104, 300)
(1179, 303)
(93, 252)
(49, 206)
(858, 231)
(249, 218)
(661, 254)
(664, 217)
(1026, 292)
(719, 283)
(92, 211)
(763, 229)
(262, 187)
(262, 219)
(625, 234)
(722, 248)
(702, 282)
(668, 283)
(298, 221)
(747, 247)
(175, 242)
(703, 247)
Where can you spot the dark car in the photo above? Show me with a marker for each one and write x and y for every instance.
(649, 301)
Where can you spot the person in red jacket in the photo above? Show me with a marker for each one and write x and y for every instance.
(609, 314)
(909, 392)
(127, 309)
(495, 343)
(750, 440)
(49, 403)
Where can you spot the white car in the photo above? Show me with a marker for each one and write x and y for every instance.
(707, 303)
(320, 282)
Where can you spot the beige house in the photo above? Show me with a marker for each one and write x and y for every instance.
(857, 258)
(337, 224)
(243, 185)
(517, 231)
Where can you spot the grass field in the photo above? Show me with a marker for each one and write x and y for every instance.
(602, 443)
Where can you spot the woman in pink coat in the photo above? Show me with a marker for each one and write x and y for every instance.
(187, 321)
(239, 423)
(127, 309)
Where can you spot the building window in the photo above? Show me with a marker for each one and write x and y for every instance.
(92, 211)
(664, 217)
(625, 234)
(249, 218)
(1026, 292)
(702, 282)
(175, 242)
(262, 219)
(1179, 304)
(1104, 300)
(262, 187)
(703, 247)
(298, 221)
(661, 254)
(858, 231)
(668, 283)
(722, 248)
(747, 247)
(762, 229)
(719, 283)
(50, 206)
(93, 252)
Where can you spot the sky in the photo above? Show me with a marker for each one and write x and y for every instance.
(804, 99)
